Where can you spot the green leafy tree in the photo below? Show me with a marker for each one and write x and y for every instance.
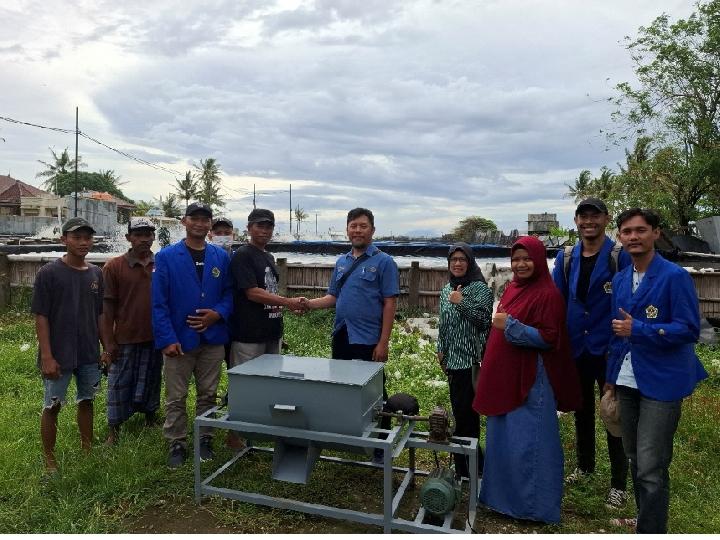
(186, 188)
(60, 165)
(300, 216)
(170, 206)
(209, 183)
(468, 228)
(88, 181)
(142, 208)
(579, 190)
(676, 100)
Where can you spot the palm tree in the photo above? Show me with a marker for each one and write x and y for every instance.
(582, 184)
(187, 188)
(59, 166)
(209, 183)
(300, 216)
(603, 186)
(170, 206)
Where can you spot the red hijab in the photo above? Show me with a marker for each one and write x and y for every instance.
(508, 371)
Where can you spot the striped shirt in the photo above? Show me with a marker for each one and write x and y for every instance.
(464, 326)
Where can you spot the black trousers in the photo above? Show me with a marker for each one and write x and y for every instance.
(592, 371)
(467, 421)
(342, 349)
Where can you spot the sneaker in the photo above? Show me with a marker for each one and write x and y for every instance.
(177, 455)
(616, 498)
(630, 523)
(206, 449)
(577, 476)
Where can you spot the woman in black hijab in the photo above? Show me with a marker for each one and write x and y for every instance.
(465, 318)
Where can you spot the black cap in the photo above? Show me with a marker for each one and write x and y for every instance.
(198, 207)
(591, 203)
(75, 223)
(222, 219)
(259, 215)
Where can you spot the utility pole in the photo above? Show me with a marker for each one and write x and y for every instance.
(77, 132)
(254, 197)
(291, 209)
(316, 224)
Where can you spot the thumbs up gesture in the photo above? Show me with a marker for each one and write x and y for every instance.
(622, 326)
(456, 296)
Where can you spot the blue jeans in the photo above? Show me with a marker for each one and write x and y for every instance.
(87, 383)
(648, 429)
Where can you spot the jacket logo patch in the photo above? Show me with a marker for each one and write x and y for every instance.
(94, 286)
(608, 287)
(651, 312)
(216, 272)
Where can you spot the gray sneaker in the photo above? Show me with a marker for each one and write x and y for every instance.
(177, 455)
(616, 499)
(206, 449)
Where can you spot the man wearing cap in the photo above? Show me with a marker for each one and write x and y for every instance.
(584, 276)
(134, 364)
(67, 303)
(257, 323)
(191, 302)
(221, 233)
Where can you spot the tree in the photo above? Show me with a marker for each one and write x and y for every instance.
(468, 228)
(300, 216)
(88, 181)
(579, 190)
(209, 183)
(186, 188)
(677, 100)
(170, 206)
(59, 165)
(142, 208)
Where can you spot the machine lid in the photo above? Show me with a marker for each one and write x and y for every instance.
(349, 372)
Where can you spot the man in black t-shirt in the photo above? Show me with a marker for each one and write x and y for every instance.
(67, 303)
(256, 325)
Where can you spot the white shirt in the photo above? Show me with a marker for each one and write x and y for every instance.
(626, 376)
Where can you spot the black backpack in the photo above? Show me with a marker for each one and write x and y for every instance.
(613, 257)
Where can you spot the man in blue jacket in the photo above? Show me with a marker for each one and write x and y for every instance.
(584, 277)
(191, 302)
(652, 363)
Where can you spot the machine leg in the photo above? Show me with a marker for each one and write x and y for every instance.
(196, 462)
(387, 490)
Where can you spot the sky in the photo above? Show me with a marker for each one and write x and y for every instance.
(426, 112)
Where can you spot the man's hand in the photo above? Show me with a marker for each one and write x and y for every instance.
(50, 368)
(380, 352)
(305, 304)
(608, 387)
(204, 318)
(173, 350)
(296, 305)
(456, 296)
(110, 354)
(623, 327)
(500, 320)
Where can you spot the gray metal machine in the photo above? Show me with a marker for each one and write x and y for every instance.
(305, 405)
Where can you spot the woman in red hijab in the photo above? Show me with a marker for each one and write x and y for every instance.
(527, 373)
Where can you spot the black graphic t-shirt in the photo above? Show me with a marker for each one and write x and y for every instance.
(252, 322)
(587, 265)
(198, 257)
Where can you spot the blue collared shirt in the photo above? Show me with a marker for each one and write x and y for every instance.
(359, 304)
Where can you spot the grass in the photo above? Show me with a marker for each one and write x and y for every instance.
(128, 489)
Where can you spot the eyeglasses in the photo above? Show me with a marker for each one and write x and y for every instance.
(458, 259)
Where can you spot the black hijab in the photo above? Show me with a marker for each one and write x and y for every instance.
(473, 272)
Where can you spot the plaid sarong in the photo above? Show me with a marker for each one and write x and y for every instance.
(134, 380)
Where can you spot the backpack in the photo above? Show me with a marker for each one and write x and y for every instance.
(613, 257)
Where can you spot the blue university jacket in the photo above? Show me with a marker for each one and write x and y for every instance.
(666, 326)
(177, 292)
(588, 324)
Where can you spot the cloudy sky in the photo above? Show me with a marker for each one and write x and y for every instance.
(424, 111)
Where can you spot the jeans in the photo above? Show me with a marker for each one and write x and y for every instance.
(648, 428)
(592, 371)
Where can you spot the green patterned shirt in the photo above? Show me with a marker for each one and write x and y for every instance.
(464, 327)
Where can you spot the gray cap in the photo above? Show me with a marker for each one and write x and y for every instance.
(222, 219)
(75, 223)
(591, 203)
(258, 215)
(198, 208)
(141, 222)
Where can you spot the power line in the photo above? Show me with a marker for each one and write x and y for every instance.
(96, 141)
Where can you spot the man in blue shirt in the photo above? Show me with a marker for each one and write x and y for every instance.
(652, 363)
(584, 278)
(363, 288)
(191, 302)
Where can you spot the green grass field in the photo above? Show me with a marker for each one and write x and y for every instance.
(127, 488)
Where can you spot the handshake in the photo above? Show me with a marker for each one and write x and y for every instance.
(299, 305)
